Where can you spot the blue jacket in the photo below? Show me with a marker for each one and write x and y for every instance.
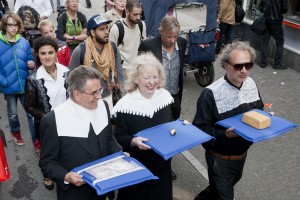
(13, 64)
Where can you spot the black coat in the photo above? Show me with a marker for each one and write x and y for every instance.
(154, 45)
(61, 154)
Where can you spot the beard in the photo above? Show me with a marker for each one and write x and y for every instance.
(101, 40)
(134, 21)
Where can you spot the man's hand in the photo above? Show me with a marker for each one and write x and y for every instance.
(30, 64)
(138, 142)
(230, 134)
(74, 179)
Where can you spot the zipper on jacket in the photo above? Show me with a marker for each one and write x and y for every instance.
(17, 68)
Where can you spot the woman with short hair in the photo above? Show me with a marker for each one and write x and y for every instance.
(46, 87)
(72, 25)
(146, 104)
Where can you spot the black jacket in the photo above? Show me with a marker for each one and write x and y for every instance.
(154, 45)
(274, 9)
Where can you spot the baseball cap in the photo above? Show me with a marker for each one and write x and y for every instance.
(97, 20)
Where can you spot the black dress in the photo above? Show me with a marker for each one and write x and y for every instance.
(129, 123)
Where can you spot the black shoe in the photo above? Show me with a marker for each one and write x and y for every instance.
(279, 67)
(174, 176)
(263, 65)
(48, 184)
(88, 6)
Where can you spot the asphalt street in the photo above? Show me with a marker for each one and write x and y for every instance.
(272, 169)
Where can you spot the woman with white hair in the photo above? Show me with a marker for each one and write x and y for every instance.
(146, 104)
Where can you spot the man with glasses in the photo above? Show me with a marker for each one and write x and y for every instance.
(16, 61)
(75, 133)
(97, 52)
(232, 94)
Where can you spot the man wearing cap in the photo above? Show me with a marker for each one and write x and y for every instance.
(102, 55)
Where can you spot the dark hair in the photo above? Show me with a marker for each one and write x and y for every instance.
(78, 77)
(15, 17)
(43, 41)
(133, 4)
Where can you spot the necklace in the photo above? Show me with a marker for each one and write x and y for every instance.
(53, 74)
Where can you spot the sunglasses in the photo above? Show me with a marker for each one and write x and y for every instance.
(240, 66)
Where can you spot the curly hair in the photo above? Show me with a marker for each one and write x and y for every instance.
(144, 60)
(236, 45)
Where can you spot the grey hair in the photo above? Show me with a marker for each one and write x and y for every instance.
(236, 45)
(78, 77)
(144, 60)
(169, 23)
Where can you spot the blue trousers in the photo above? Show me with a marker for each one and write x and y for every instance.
(226, 35)
(12, 113)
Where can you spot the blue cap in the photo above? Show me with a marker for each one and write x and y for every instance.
(96, 21)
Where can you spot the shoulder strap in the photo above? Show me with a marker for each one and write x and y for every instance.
(107, 109)
(82, 52)
(140, 24)
(121, 32)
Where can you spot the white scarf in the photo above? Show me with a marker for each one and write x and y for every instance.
(73, 120)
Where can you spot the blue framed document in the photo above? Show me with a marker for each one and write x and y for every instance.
(167, 144)
(114, 172)
(278, 127)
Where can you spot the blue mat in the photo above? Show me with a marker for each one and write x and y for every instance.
(118, 182)
(166, 145)
(278, 127)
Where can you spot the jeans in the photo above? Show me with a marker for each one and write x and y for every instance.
(12, 112)
(227, 33)
(274, 29)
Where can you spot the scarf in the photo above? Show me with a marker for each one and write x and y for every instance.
(104, 62)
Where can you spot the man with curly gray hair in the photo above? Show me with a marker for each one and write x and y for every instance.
(232, 94)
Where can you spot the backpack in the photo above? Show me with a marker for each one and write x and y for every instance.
(239, 11)
(121, 31)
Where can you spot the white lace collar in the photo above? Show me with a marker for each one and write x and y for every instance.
(134, 103)
(228, 97)
(73, 120)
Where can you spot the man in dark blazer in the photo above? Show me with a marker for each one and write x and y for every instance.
(169, 49)
(75, 133)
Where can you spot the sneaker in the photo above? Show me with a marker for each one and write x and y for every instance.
(48, 184)
(16, 136)
(37, 147)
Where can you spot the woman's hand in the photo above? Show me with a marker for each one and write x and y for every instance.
(138, 142)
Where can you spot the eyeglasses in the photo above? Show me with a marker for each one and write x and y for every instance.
(96, 93)
(240, 66)
(12, 25)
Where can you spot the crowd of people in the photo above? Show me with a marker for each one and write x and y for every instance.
(66, 83)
